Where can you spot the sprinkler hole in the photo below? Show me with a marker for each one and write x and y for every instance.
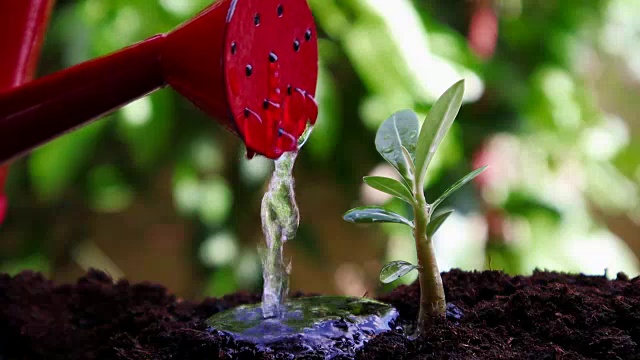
(273, 57)
(234, 48)
(307, 35)
(280, 131)
(265, 104)
(249, 70)
(296, 45)
(289, 90)
(280, 10)
(256, 19)
(247, 112)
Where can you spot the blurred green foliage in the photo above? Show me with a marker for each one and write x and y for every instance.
(534, 111)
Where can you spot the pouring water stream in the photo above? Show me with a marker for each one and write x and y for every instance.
(280, 220)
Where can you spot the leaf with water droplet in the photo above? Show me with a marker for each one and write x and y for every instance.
(390, 186)
(375, 214)
(395, 270)
(436, 125)
(401, 129)
(460, 183)
(436, 222)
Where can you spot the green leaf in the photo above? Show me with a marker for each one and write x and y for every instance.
(390, 186)
(436, 222)
(395, 270)
(401, 129)
(436, 125)
(460, 183)
(374, 214)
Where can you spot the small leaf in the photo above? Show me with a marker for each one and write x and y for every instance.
(395, 270)
(436, 125)
(401, 129)
(460, 183)
(374, 214)
(390, 186)
(436, 222)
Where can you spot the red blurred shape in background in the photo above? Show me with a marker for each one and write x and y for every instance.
(22, 28)
(483, 32)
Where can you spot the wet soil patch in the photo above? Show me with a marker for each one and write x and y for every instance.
(543, 316)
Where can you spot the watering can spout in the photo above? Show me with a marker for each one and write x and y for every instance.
(250, 64)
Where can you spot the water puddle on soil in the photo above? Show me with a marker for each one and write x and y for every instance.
(326, 327)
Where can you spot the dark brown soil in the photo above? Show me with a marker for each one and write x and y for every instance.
(544, 316)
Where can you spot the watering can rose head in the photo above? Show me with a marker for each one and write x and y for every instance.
(252, 65)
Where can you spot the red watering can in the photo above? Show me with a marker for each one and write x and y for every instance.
(252, 65)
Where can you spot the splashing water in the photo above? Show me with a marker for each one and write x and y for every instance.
(329, 327)
(280, 219)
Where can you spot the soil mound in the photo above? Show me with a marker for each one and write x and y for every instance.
(543, 316)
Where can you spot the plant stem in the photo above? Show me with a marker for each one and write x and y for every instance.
(432, 299)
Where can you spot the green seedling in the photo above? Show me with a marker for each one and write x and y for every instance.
(410, 150)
